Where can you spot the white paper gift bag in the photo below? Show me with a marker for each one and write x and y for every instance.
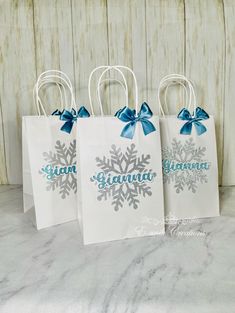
(48, 77)
(189, 159)
(120, 176)
(49, 158)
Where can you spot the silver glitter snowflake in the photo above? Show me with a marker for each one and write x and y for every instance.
(124, 163)
(63, 158)
(186, 153)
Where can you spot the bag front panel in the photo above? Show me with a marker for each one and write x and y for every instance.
(190, 171)
(52, 155)
(120, 180)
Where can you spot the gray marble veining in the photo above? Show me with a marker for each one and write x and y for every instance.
(190, 269)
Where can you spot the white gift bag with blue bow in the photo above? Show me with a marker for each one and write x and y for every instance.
(49, 155)
(189, 158)
(120, 176)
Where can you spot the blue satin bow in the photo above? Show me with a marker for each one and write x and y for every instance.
(129, 116)
(198, 116)
(71, 117)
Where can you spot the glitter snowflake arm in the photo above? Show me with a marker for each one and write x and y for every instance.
(129, 157)
(200, 176)
(179, 182)
(73, 184)
(198, 154)
(51, 158)
(72, 152)
(177, 150)
(169, 177)
(116, 159)
(191, 153)
(191, 184)
(189, 145)
(167, 153)
(54, 183)
(106, 165)
(105, 193)
(62, 153)
(139, 164)
(143, 189)
(118, 198)
(132, 196)
(65, 187)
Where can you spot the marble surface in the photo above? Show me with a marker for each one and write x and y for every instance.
(190, 269)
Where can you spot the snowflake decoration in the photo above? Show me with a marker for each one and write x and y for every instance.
(185, 153)
(63, 157)
(121, 163)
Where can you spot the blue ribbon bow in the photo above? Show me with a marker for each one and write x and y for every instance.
(198, 116)
(71, 117)
(129, 116)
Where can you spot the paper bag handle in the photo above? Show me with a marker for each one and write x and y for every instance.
(188, 94)
(49, 76)
(135, 83)
(38, 101)
(99, 82)
(106, 68)
(52, 76)
(123, 85)
(176, 78)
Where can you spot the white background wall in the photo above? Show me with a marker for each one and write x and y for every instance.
(154, 37)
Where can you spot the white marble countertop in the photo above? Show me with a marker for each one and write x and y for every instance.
(190, 269)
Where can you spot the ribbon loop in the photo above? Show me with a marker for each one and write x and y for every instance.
(198, 116)
(82, 112)
(69, 117)
(56, 112)
(129, 116)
